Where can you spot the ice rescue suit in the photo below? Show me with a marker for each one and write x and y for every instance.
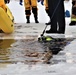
(73, 16)
(47, 10)
(31, 5)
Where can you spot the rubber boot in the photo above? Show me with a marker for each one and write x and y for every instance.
(28, 19)
(36, 19)
(72, 23)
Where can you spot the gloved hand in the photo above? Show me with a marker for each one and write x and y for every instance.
(21, 3)
(6, 1)
(42, 3)
(73, 3)
(38, 0)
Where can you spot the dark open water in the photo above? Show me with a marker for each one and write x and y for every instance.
(29, 50)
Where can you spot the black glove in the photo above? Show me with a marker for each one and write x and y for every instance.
(38, 0)
(6, 1)
(73, 3)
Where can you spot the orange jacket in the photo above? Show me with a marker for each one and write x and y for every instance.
(2, 4)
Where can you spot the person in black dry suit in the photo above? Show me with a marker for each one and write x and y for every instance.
(57, 12)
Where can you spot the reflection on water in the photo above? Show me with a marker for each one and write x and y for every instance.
(28, 50)
(23, 50)
(5, 44)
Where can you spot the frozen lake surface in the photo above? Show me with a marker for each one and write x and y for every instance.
(15, 52)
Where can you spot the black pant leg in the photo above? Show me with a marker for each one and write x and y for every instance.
(58, 16)
(52, 13)
(61, 17)
(54, 23)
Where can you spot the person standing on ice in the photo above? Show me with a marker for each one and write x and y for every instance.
(73, 16)
(47, 10)
(45, 3)
(57, 16)
(31, 5)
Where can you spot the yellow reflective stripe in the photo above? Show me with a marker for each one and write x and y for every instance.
(73, 19)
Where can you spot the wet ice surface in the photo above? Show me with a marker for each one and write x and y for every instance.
(29, 50)
(16, 51)
(16, 57)
(20, 50)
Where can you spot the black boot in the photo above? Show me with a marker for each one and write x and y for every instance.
(36, 19)
(28, 19)
(51, 31)
(72, 23)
